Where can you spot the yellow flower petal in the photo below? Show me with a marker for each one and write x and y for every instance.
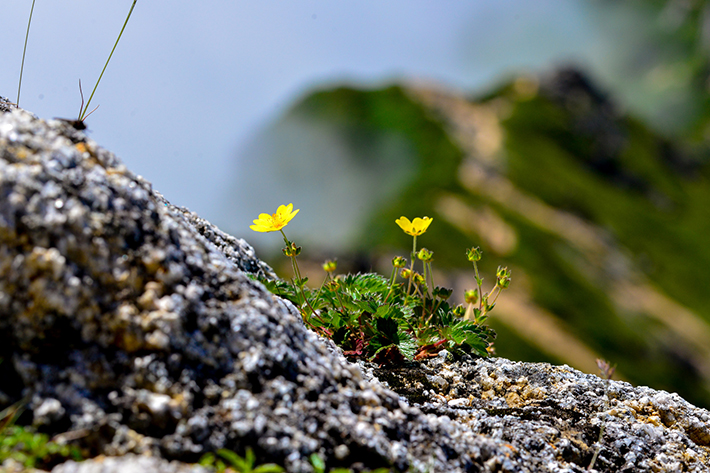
(274, 222)
(404, 224)
(415, 227)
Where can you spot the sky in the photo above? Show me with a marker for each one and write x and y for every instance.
(191, 83)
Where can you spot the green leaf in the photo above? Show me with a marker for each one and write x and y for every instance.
(243, 465)
(387, 329)
(269, 468)
(207, 459)
(317, 463)
(407, 345)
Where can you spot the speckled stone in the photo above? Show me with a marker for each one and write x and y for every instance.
(133, 328)
(5, 104)
(555, 418)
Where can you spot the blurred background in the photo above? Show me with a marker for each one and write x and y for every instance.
(569, 140)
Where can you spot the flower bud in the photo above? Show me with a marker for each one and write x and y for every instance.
(405, 273)
(503, 275)
(329, 266)
(442, 293)
(399, 262)
(333, 285)
(471, 296)
(474, 254)
(459, 311)
(292, 250)
(425, 255)
(418, 278)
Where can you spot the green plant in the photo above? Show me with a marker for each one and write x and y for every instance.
(384, 320)
(606, 370)
(29, 448)
(234, 462)
(33, 449)
(9, 415)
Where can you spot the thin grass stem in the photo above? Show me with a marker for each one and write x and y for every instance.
(24, 51)
(83, 112)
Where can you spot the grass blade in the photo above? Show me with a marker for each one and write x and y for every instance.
(24, 51)
(83, 112)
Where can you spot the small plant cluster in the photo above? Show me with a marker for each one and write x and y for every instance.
(389, 320)
(228, 459)
(29, 448)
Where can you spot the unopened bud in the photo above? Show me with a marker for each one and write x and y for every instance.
(442, 293)
(459, 311)
(292, 250)
(330, 266)
(474, 254)
(503, 275)
(425, 255)
(333, 285)
(399, 262)
(471, 296)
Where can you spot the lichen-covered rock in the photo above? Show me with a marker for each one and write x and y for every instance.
(555, 414)
(132, 327)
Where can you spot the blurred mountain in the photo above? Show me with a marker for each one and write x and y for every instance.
(604, 222)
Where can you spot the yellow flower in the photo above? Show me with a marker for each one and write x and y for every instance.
(416, 227)
(275, 222)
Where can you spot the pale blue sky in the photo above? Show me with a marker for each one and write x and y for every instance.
(192, 82)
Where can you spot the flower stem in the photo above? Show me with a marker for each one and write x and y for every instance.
(297, 275)
(431, 276)
(411, 267)
(325, 280)
(392, 278)
(479, 282)
(497, 294)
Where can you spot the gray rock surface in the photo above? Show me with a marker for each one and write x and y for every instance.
(128, 463)
(556, 417)
(5, 104)
(132, 327)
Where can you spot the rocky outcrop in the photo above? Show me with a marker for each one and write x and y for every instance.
(555, 415)
(131, 326)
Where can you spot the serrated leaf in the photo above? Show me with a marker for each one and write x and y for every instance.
(407, 345)
(387, 328)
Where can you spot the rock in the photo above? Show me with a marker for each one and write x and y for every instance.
(551, 415)
(128, 463)
(133, 328)
(5, 104)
